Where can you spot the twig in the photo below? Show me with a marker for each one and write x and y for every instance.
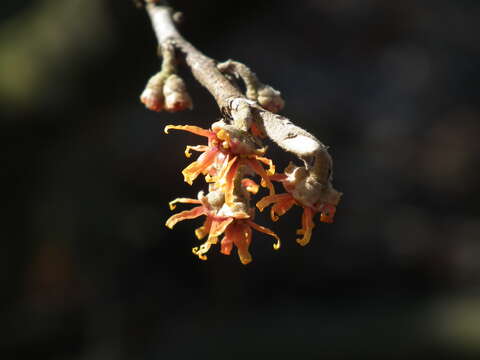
(234, 150)
(229, 99)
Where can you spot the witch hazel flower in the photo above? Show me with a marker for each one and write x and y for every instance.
(232, 160)
(227, 152)
(309, 189)
(231, 155)
(225, 162)
(235, 224)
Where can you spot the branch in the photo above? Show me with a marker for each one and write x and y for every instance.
(269, 98)
(234, 149)
(229, 99)
(203, 68)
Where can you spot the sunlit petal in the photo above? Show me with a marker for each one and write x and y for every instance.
(250, 185)
(184, 215)
(172, 205)
(203, 230)
(255, 166)
(281, 207)
(219, 226)
(194, 148)
(267, 231)
(307, 226)
(190, 128)
(229, 180)
(266, 161)
(241, 235)
(191, 172)
(202, 250)
(270, 199)
(226, 244)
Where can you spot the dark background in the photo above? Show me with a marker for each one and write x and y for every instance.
(89, 271)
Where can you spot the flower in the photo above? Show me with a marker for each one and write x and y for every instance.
(227, 152)
(305, 191)
(235, 226)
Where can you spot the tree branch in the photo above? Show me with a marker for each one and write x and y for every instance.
(243, 110)
(203, 68)
(234, 152)
(279, 129)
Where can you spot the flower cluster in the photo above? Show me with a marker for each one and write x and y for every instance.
(166, 91)
(233, 160)
(227, 162)
(306, 192)
(235, 226)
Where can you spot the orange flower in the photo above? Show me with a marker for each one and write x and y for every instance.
(226, 177)
(205, 160)
(222, 159)
(237, 229)
(283, 202)
(239, 233)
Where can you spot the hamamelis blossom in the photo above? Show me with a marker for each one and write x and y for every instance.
(233, 155)
(236, 227)
(223, 157)
(299, 188)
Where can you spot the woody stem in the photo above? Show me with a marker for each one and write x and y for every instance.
(203, 68)
(230, 100)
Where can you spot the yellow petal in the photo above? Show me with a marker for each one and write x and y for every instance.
(202, 250)
(218, 227)
(204, 161)
(230, 185)
(267, 231)
(203, 230)
(172, 205)
(281, 206)
(307, 227)
(257, 168)
(270, 199)
(190, 128)
(250, 185)
(241, 235)
(266, 161)
(184, 215)
(194, 148)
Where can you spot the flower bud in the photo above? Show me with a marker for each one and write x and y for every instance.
(270, 99)
(152, 96)
(176, 95)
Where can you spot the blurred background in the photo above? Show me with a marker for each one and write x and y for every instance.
(89, 271)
